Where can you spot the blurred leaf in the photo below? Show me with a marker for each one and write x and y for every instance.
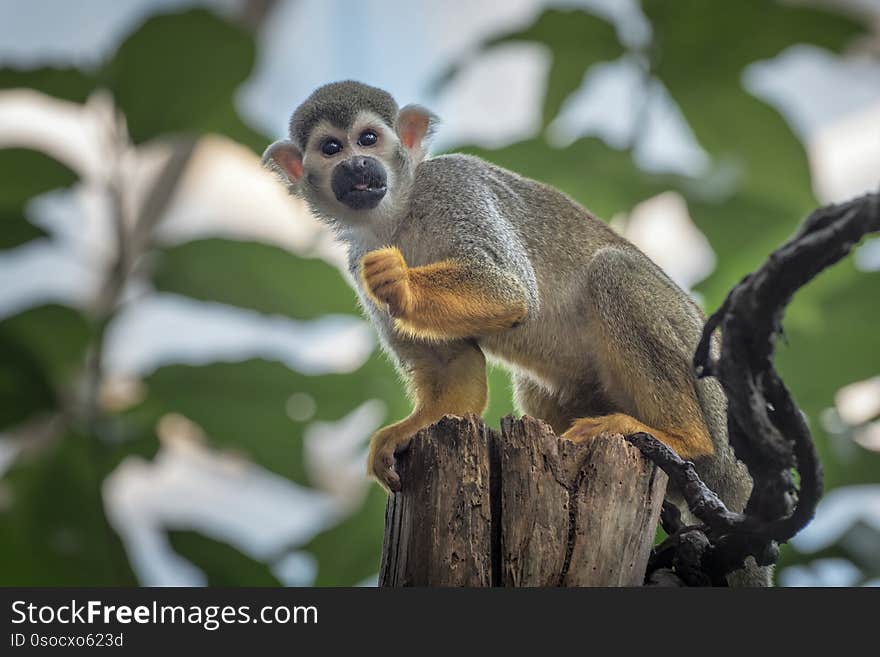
(338, 563)
(831, 341)
(241, 406)
(226, 121)
(15, 230)
(222, 564)
(57, 336)
(179, 73)
(577, 40)
(700, 57)
(604, 180)
(743, 230)
(175, 73)
(256, 276)
(66, 83)
(24, 387)
(52, 527)
(790, 556)
(41, 350)
(688, 30)
(25, 174)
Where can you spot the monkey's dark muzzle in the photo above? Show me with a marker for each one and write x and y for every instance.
(360, 183)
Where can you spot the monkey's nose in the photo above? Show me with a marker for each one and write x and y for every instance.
(359, 164)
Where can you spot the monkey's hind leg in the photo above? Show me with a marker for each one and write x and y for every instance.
(643, 360)
(447, 379)
(532, 399)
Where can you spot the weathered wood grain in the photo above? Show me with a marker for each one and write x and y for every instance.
(437, 529)
(519, 508)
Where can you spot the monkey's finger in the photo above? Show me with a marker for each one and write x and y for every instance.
(395, 294)
(386, 473)
(382, 266)
(392, 480)
(382, 255)
(390, 289)
(392, 275)
(381, 480)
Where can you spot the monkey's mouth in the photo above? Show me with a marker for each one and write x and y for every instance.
(360, 183)
(363, 195)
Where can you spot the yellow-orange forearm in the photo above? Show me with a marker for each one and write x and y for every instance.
(443, 300)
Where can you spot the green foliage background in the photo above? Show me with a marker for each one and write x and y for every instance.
(178, 74)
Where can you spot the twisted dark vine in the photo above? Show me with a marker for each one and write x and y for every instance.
(767, 431)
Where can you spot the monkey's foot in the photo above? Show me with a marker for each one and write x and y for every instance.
(588, 428)
(687, 444)
(380, 464)
(386, 279)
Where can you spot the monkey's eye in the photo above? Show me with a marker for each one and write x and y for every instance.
(368, 138)
(331, 147)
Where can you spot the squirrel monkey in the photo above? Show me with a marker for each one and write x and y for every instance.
(455, 259)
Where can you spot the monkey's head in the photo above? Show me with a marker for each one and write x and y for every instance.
(351, 153)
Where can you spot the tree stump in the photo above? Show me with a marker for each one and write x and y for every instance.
(519, 507)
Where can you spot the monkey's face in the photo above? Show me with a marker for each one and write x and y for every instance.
(352, 166)
(352, 174)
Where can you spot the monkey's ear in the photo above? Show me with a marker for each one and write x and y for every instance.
(284, 157)
(415, 127)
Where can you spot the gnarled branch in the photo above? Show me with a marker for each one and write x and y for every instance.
(767, 430)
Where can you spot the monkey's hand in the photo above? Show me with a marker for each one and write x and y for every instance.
(445, 300)
(385, 276)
